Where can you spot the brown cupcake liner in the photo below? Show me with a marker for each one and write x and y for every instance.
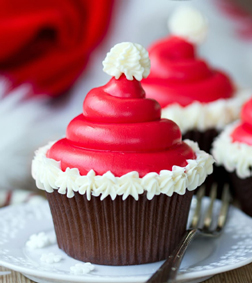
(117, 232)
(243, 191)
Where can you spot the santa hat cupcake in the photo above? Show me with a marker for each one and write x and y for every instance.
(201, 99)
(121, 182)
(232, 149)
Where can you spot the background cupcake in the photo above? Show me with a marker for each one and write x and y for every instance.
(199, 98)
(120, 184)
(233, 150)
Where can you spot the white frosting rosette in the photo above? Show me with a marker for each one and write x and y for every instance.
(127, 58)
(189, 23)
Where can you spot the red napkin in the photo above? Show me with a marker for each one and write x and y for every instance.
(47, 43)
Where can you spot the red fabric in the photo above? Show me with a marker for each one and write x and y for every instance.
(48, 42)
(242, 17)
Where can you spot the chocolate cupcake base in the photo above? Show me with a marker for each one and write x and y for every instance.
(243, 192)
(204, 139)
(117, 232)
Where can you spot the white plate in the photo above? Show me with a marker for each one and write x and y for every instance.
(204, 258)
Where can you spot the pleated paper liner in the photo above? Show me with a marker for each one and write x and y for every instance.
(119, 232)
(243, 192)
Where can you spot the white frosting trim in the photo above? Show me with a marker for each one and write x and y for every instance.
(188, 23)
(234, 156)
(127, 58)
(216, 114)
(50, 177)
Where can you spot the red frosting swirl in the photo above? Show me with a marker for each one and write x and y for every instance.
(121, 131)
(243, 133)
(177, 76)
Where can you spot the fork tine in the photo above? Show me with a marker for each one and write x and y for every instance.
(209, 212)
(197, 211)
(226, 197)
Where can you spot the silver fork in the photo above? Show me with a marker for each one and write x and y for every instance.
(168, 271)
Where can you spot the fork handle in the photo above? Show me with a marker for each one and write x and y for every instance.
(168, 270)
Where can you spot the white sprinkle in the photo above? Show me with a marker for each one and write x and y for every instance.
(38, 241)
(81, 268)
(50, 258)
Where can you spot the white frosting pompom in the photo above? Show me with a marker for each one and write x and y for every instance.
(127, 58)
(188, 23)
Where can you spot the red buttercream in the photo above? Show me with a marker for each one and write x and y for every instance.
(121, 131)
(243, 133)
(178, 76)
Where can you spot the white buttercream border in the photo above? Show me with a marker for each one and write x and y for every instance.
(50, 177)
(234, 156)
(216, 114)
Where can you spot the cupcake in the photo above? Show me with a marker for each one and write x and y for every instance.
(120, 184)
(232, 149)
(201, 99)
